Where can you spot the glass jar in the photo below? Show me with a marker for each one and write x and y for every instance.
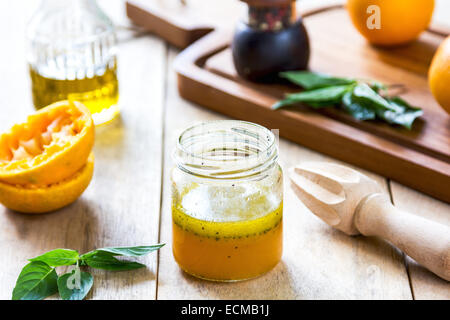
(269, 40)
(72, 56)
(227, 201)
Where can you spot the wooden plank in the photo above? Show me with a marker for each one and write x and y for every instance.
(121, 206)
(318, 262)
(424, 284)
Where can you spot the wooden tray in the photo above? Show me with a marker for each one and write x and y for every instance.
(419, 158)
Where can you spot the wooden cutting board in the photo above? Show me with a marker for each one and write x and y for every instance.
(419, 158)
(182, 22)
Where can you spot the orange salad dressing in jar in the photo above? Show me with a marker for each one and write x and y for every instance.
(227, 203)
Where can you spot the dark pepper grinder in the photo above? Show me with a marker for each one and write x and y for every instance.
(271, 40)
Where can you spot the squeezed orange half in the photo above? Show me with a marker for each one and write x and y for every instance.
(230, 250)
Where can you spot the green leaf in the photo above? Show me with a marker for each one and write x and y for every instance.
(58, 257)
(328, 95)
(392, 110)
(75, 285)
(131, 251)
(360, 100)
(317, 98)
(36, 281)
(314, 80)
(377, 86)
(105, 260)
(355, 109)
(283, 103)
(365, 95)
(404, 114)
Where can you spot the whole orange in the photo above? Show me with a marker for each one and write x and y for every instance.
(439, 75)
(390, 22)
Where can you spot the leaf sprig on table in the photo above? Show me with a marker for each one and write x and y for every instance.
(362, 100)
(38, 279)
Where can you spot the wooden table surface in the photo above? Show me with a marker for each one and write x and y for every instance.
(128, 201)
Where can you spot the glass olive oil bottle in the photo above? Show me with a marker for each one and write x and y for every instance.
(72, 56)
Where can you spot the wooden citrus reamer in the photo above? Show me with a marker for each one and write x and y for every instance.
(353, 203)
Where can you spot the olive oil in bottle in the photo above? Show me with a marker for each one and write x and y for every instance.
(100, 93)
(72, 56)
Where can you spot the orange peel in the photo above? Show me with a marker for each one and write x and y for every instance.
(51, 146)
(40, 199)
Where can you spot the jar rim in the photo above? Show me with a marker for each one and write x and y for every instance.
(226, 149)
